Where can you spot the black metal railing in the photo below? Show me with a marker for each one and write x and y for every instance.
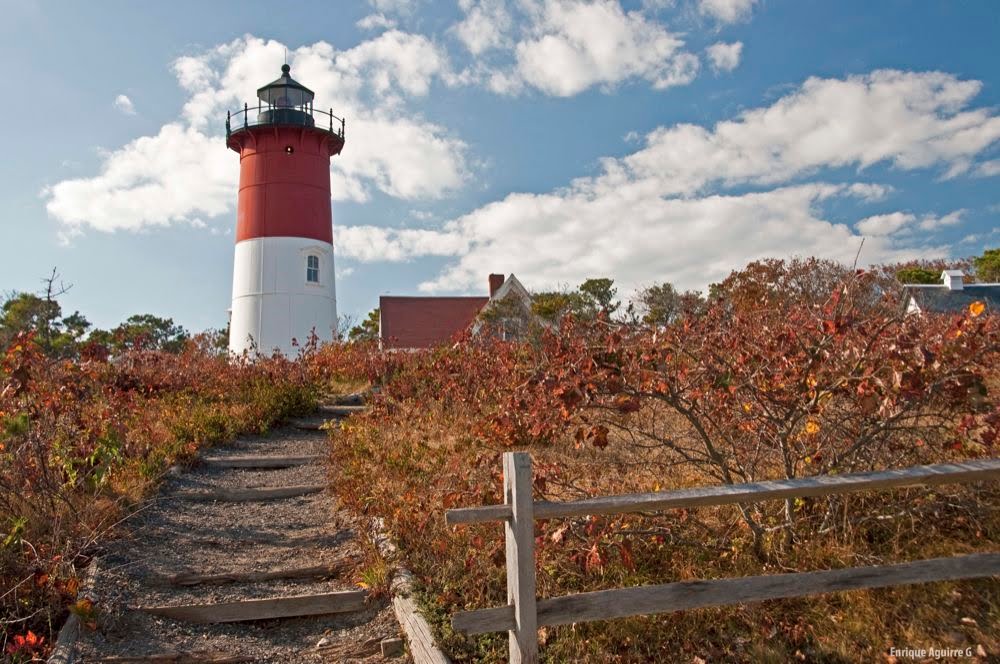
(305, 116)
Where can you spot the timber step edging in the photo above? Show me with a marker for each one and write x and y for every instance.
(260, 461)
(249, 495)
(65, 651)
(270, 608)
(337, 410)
(308, 424)
(324, 415)
(191, 578)
(423, 648)
(192, 657)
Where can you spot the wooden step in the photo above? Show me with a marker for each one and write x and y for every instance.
(250, 495)
(197, 578)
(308, 423)
(260, 461)
(264, 609)
(193, 657)
(354, 399)
(324, 415)
(341, 411)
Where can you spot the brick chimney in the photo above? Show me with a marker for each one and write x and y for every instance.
(496, 281)
(953, 279)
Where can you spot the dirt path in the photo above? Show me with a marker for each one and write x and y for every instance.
(178, 535)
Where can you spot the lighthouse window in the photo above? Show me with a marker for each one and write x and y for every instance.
(312, 269)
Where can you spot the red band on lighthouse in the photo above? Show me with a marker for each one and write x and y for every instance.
(284, 184)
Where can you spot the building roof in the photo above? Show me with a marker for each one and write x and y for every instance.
(425, 322)
(941, 299)
(511, 285)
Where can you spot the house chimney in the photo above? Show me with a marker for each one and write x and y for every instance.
(496, 281)
(953, 279)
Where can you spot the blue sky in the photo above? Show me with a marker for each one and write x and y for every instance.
(556, 139)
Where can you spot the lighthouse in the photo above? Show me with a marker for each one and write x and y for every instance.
(283, 279)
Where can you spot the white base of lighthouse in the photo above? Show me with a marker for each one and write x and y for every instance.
(283, 290)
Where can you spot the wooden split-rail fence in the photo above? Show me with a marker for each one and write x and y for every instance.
(524, 613)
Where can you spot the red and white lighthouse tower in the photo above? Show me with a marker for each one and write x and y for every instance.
(283, 281)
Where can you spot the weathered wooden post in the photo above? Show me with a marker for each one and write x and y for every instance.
(520, 535)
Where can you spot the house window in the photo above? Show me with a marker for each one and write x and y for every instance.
(312, 269)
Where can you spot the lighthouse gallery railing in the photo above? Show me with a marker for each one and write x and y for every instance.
(260, 114)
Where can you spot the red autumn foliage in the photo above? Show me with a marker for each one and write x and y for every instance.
(80, 440)
(789, 369)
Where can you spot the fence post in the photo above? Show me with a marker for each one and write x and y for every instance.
(520, 536)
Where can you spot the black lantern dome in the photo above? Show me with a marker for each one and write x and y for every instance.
(285, 92)
(288, 101)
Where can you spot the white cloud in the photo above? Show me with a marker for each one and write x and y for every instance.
(663, 211)
(725, 57)
(884, 224)
(173, 176)
(124, 104)
(375, 243)
(726, 11)
(185, 170)
(401, 157)
(911, 120)
(933, 222)
(988, 169)
(887, 224)
(486, 25)
(394, 6)
(560, 238)
(376, 22)
(869, 192)
(578, 44)
(563, 47)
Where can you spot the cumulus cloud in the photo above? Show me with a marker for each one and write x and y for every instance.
(988, 168)
(124, 104)
(579, 44)
(185, 170)
(910, 120)
(486, 25)
(173, 176)
(725, 57)
(933, 222)
(563, 47)
(376, 243)
(376, 22)
(565, 237)
(726, 11)
(667, 211)
(884, 224)
(887, 224)
(394, 6)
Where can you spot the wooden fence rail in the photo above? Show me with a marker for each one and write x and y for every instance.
(523, 613)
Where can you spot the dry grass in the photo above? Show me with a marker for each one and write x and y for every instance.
(407, 466)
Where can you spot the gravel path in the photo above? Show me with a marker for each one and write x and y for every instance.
(178, 536)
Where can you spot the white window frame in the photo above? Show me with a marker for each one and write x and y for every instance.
(312, 268)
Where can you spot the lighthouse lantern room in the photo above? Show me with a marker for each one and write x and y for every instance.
(283, 279)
